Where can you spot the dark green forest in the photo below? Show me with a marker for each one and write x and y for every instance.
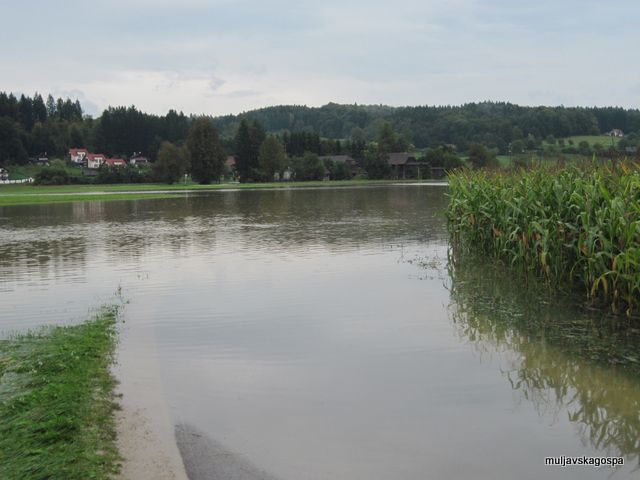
(33, 126)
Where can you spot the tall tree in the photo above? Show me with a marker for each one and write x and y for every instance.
(51, 106)
(248, 140)
(258, 136)
(308, 167)
(11, 149)
(389, 141)
(39, 109)
(25, 112)
(271, 157)
(172, 163)
(207, 157)
(375, 162)
(243, 151)
(481, 157)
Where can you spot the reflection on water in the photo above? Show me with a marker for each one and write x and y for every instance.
(304, 331)
(557, 353)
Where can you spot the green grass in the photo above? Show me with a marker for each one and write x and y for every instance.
(604, 140)
(57, 402)
(36, 199)
(535, 158)
(20, 172)
(574, 227)
(35, 194)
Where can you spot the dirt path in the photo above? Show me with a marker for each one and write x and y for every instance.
(146, 436)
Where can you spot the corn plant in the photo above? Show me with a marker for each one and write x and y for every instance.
(575, 227)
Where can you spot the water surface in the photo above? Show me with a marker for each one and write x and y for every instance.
(325, 333)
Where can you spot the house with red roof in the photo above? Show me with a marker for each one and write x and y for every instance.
(78, 155)
(94, 160)
(115, 162)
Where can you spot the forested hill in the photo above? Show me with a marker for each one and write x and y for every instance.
(31, 126)
(493, 124)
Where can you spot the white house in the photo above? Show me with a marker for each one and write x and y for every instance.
(77, 155)
(94, 160)
(4, 174)
(616, 132)
(139, 160)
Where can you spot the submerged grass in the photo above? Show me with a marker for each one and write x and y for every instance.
(26, 189)
(11, 195)
(6, 201)
(57, 402)
(575, 227)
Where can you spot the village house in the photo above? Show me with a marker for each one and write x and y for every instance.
(4, 174)
(616, 132)
(139, 161)
(115, 162)
(78, 155)
(94, 160)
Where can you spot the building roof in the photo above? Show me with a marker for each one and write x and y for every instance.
(400, 158)
(75, 151)
(114, 161)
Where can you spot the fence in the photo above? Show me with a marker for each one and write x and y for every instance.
(12, 182)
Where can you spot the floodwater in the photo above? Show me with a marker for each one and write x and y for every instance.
(328, 334)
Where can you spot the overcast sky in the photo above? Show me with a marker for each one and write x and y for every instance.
(218, 56)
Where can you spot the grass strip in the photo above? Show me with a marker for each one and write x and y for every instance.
(26, 189)
(57, 402)
(33, 194)
(31, 199)
(576, 227)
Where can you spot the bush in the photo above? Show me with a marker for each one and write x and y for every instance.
(375, 163)
(52, 176)
(126, 174)
(309, 167)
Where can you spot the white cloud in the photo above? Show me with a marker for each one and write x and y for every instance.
(227, 56)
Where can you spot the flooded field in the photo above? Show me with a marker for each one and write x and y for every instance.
(328, 333)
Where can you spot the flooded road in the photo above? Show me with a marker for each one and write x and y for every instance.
(327, 333)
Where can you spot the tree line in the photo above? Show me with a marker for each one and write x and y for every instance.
(33, 126)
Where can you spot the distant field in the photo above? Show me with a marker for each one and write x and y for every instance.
(604, 140)
(20, 172)
(548, 159)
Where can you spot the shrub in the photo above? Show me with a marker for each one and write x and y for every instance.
(52, 176)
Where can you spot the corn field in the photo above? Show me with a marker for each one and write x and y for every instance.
(576, 227)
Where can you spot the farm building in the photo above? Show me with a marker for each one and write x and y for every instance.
(404, 165)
